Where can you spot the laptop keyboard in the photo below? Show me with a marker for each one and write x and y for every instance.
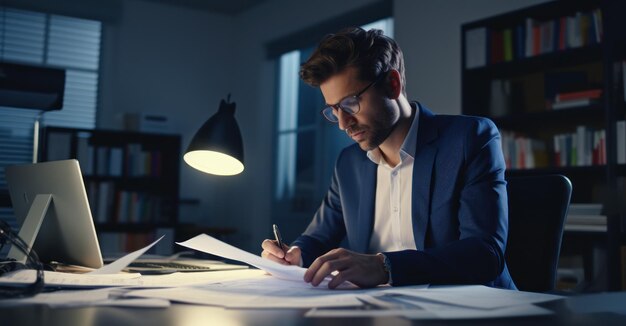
(168, 265)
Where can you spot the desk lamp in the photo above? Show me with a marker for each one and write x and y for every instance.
(217, 147)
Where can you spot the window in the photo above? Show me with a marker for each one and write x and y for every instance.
(47, 40)
(307, 145)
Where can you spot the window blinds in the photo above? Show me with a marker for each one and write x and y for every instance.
(47, 40)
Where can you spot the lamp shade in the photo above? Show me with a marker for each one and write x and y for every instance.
(217, 147)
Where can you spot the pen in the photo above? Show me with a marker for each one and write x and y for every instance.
(279, 239)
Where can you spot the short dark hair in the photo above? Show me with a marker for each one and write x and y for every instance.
(371, 52)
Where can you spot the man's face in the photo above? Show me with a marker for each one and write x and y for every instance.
(377, 116)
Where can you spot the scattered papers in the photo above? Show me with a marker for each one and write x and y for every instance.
(433, 311)
(84, 298)
(347, 313)
(449, 302)
(443, 311)
(445, 302)
(28, 276)
(136, 280)
(258, 290)
(119, 264)
(253, 288)
(208, 244)
(475, 296)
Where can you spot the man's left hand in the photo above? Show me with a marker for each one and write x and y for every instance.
(344, 265)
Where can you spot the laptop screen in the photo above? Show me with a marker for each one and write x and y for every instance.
(67, 233)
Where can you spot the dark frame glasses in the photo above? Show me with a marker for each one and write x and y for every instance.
(349, 104)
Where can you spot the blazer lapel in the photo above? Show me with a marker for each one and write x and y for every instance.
(423, 166)
(367, 200)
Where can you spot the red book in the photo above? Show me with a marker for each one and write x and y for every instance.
(594, 156)
(536, 40)
(586, 94)
(562, 31)
(497, 46)
(603, 149)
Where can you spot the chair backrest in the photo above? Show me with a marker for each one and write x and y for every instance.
(537, 211)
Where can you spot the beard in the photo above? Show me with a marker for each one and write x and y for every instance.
(375, 133)
(372, 135)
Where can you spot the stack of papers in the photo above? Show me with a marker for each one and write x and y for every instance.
(272, 286)
(287, 290)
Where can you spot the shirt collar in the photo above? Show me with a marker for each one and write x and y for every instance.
(410, 140)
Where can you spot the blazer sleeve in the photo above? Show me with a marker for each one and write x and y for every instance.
(327, 229)
(477, 256)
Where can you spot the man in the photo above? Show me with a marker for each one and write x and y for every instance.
(421, 198)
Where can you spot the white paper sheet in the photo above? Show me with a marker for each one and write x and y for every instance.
(389, 303)
(259, 291)
(121, 263)
(474, 296)
(433, 312)
(68, 280)
(264, 291)
(208, 244)
(446, 311)
(28, 276)
(84, 298)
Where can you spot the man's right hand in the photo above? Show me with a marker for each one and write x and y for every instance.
(285, 255)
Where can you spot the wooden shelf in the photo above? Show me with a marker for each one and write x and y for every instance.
(520, 87)
(596, 170)
(538, 63)
(534, 120)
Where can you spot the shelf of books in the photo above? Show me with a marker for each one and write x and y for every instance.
(519, 37)
(551, 77)
(131, 179)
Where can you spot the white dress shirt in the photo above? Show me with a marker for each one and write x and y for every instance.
(393, 227)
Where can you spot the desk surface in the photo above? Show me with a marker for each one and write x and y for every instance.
(190, 315)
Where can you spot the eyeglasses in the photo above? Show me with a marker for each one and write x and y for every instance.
(32, 262)
(350, 104)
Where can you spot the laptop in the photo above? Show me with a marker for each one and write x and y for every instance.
(174, 264)
(51, 207)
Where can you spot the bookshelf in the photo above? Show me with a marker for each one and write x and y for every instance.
(551, 77)
(131, 178)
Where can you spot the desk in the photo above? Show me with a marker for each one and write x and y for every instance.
(190, 315)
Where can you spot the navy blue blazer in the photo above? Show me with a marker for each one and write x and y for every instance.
(459, 206)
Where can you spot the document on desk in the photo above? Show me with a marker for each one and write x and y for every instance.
(86, 298)
(475, 296)
(121, 263)
(70, 280)
(433, 311)
(208, 244)
(259, 290)
(446, 302)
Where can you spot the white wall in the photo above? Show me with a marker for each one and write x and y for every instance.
(180, 62)
(172, 61)
(429, 33)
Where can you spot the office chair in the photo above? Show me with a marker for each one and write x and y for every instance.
(537, 211)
